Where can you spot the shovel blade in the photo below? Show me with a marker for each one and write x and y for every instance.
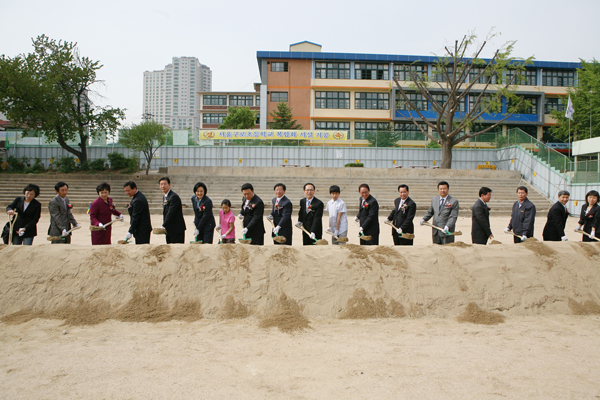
(322, 242)
(342, 240)
(159, 231)
(245, 241)
(280, 239)
(409, 236)
(366, 238)
(123, 242)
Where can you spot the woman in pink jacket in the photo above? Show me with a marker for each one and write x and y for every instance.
(101, 211)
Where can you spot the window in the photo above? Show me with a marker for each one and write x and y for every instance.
(257, 101)
(558, 77)
(214, 100)
(439, 73)
(213, 118)
(485, 100)
(362, 130)
(442, 98)
(279, 67)
(484, 78)
(372, 101)
(332, 70)
(527, 77)
(372, 71)
(417, 100)
(235, 100)
(410, 131)
(401, 71)
(332, 126)
(554, 103)
(524, 108)
(279, 96)
(332, 100)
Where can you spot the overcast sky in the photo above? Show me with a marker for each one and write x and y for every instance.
(130, 37)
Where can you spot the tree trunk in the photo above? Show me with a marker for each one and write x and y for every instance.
(148, 161)
(446, 155)
(83, 147)
(61, 141)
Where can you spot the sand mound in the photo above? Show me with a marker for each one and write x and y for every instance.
(476, 315)
(285, 315)
(588, 307)
(89, 284)
(459, 244)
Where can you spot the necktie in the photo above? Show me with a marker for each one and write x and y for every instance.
(401, 203)
(308, 206)
(441, 204)
(65, 202)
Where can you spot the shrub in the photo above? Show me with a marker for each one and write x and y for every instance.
(36, 168)
(66, 164)
(433, 145)
(355, 165)
(84, 166)
(98, 164)
(133, 164)
(18, 164)
(117, 161)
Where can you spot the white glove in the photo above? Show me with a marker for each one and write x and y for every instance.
(244, 231)
(578, 228)
(312, 235)
(121, 218)
(356, 219)
(421, 222)
(329, 230)
(196, 232)
(506, 230)
(336, 233)
(399, 230)
(101, 225)
(223, 236)
(128, 236)
(270, 217)
(218, 228)
(21, 231)
(77, 226)
(276, 229)
(523, 238)
(387, 221)
(446, 228)
(162, 227)
(360, 230)
(65, 233)
(240, 216)
(593, 234)
(564, 238)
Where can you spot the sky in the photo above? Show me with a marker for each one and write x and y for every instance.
(130, 37)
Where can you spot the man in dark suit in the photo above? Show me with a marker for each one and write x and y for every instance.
(402, 217)
(282, 214)
(444, 210)
(311, 215)
(554, 230)
(139, 213)
(480, 218)
(251, 215)
(368, 216)
(61, 217)
(522, 219)
(173, 220)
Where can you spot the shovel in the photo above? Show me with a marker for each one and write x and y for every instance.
(317, 241)
(126, 241)
(244, 240)
(336, 238)
(457, 233)
(493, 241)
(404, 235)
(512, 233)
(277, 238)
(61, 237)
(159, 231)
(362, 236)
(195, 241)
(11, 222)
(587, 234)
(97, 228)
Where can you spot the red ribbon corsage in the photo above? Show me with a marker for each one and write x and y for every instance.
(69, 206)
(448, 205)
(489, 208)
(366, 205)
(112, 207)
(251, 206)
(202, 207)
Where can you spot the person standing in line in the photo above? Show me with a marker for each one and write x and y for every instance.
(311, 215)
(140, 226)
(226, 226)
(282, 215)
(554, 230)
(480, 218)
(589, 219)
(444, 210)
(253, 209)
(28, 211)
(368, 216)
(402, 217)
(173, 221)
(338, 216)
(61, 217)
(522, 218)
(204, 220)
(101, 212)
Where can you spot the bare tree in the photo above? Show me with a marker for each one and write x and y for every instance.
(456, 76)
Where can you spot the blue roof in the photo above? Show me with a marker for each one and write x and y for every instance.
(302, 55)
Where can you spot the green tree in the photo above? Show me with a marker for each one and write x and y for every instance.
(282, 119)
(146, 137)
(586, 104)
(454, 77)
(50, 91)
(239, 118)
(384, 136)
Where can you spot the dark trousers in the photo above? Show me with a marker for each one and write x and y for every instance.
(177, 238)
(398, 241)
(373, 242)
(66, 240)
(438, 239)
(306, 240)
(142, 238)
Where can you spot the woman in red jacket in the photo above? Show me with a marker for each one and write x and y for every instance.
(101, 211)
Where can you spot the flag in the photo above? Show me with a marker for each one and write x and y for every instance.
(570, 109)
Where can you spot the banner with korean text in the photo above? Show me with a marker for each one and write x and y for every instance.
(268, 134)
